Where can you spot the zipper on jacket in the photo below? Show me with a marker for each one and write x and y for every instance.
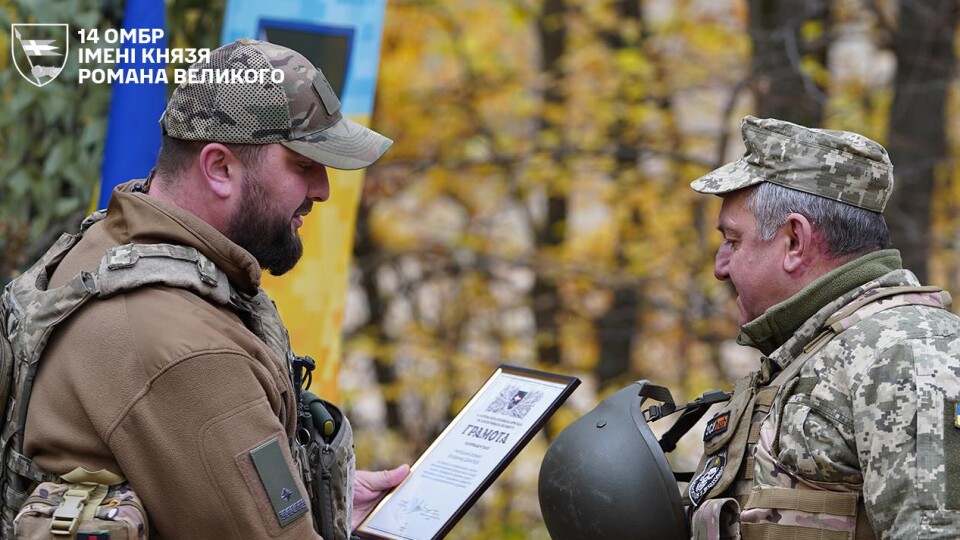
(327, 458)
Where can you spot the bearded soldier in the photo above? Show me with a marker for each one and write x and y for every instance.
(178, 380)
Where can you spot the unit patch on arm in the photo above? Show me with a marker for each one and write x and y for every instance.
(275, 475)
(716, 426)
(712, 472)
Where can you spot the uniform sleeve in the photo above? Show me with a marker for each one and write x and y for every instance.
(904, 409)
(185, 446)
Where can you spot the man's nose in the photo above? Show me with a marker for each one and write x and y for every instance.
(721, 264)
(319, 186)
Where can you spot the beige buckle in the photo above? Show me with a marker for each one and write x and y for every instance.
(67, 515)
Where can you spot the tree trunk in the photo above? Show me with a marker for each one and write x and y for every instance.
(550, 235)
(363, 249)
(616, 329)
(780, 87)
(917, 138)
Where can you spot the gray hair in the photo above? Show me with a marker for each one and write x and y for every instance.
(845, 229)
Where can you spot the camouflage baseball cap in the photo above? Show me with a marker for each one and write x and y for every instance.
(838, 165)
(301, 113)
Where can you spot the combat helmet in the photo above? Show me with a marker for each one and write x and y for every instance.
(606, 475)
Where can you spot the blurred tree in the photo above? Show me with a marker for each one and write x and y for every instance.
(617, 326)
(924, 43)
(550, 233)
(364, 250)
(51, 138)
(790, 41)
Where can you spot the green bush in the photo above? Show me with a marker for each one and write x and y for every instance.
(51, 139)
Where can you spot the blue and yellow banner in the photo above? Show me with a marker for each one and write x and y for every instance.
(133, 131)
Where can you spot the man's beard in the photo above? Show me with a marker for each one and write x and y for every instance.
(263, 230)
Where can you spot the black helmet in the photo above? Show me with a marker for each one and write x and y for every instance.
(605, 475)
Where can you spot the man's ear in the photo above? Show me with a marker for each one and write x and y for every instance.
(221, 170)
(800, 238)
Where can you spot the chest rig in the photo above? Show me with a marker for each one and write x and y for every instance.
(724, 487)
(30, 311)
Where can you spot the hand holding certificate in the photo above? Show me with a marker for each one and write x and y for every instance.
(467, 457)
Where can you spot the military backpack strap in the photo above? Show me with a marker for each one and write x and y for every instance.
(723, 483)
(132, 266)
(31, 311)
(122, 269)
(263, 319)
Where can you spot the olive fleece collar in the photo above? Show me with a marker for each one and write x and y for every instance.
(772, 329)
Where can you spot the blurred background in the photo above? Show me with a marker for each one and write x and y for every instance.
(535, 208)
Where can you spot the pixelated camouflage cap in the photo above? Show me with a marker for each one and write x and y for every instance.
(838, 165)
(301, 113)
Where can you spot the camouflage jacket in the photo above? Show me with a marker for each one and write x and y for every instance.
(875, 411)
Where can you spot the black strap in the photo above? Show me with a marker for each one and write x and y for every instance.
(659, 393)
(683, 476)
(692, 413)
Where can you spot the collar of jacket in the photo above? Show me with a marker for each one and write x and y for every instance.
(141, 219)
(781, 321)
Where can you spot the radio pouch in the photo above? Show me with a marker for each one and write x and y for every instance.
(332, 464)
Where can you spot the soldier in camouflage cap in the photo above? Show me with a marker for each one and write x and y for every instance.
(183, 386)
(302, 113)
(851, 427)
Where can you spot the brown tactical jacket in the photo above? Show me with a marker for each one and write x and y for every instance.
(165, 388)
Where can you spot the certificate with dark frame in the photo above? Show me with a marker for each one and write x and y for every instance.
(487, 434)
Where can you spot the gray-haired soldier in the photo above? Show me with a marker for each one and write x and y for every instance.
(851, 428)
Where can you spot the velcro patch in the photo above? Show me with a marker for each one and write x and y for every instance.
(712, 472)
(330, 101)
(717, 425)
(278, 482)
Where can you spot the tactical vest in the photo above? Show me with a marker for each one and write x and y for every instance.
(30, 311)
(741, 440)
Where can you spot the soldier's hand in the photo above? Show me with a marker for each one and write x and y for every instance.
(370, 486)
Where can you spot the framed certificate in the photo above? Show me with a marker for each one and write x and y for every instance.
(497, 422)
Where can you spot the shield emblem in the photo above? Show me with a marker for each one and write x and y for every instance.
(39, 50)
(516, 399)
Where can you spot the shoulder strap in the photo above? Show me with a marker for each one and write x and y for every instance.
(34, 310)
(885, 298)
(132, 266)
